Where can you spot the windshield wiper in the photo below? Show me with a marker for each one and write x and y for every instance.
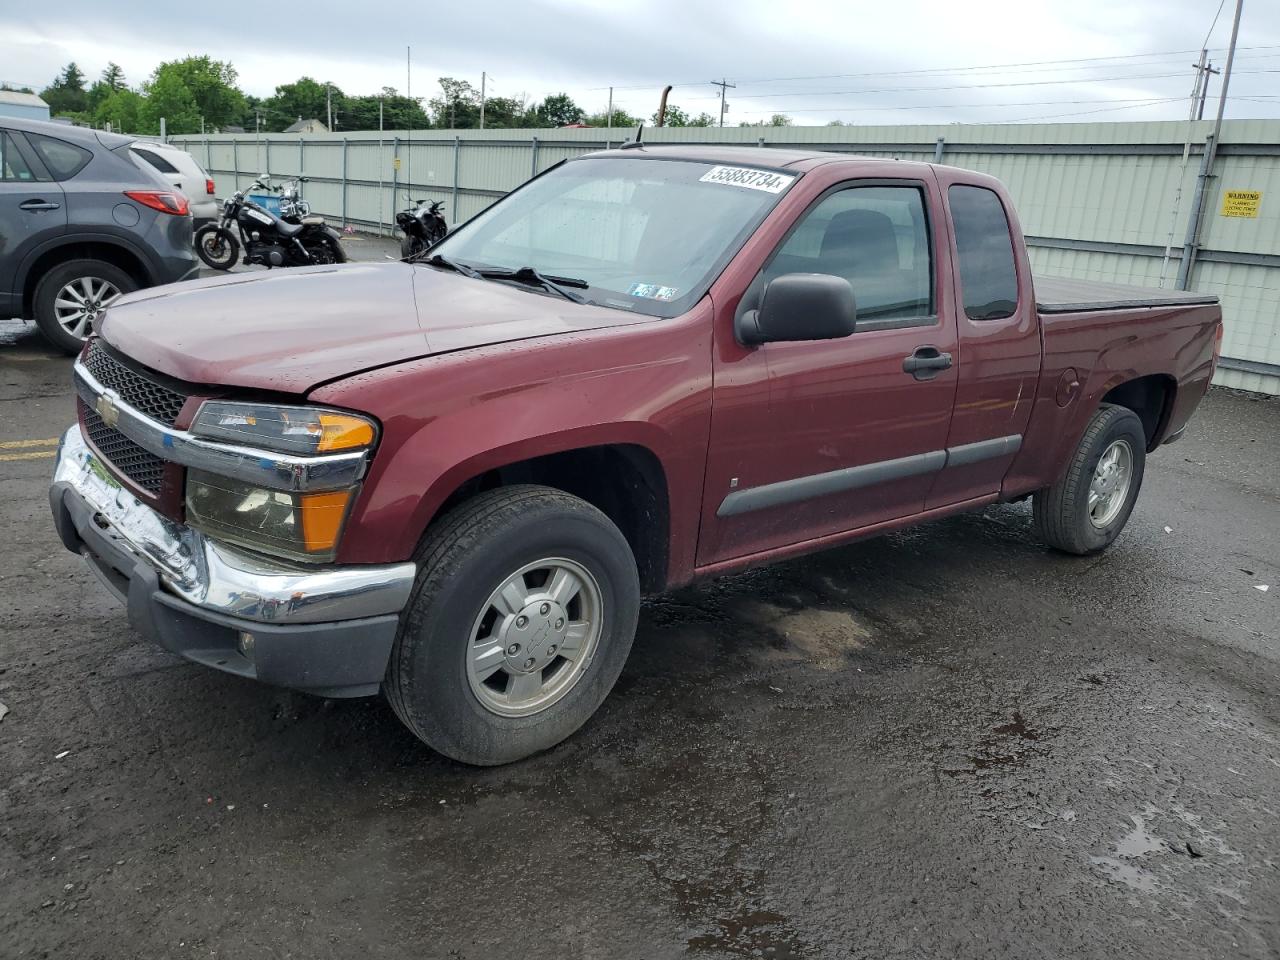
(531, 275)
(437, 260)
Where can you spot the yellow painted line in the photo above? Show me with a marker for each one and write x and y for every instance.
(39, 454)
(14, 444)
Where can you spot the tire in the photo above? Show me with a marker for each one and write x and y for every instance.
(89, 284)
(1064, 516)
(324, 249)
(410, 246)
(217, 247)
(463, 560)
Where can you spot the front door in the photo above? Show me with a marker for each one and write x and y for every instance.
(32, 210)
(813, 439)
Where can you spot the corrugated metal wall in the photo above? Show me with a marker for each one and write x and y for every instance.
(1097, 200)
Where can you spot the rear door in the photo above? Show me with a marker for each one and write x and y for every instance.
(32, 211)
(814, 439)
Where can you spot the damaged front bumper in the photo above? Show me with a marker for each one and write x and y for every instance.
(325, 630)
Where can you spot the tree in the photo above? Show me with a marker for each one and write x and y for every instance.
(620, 119)
(505, 112)
(558, 110)
(113, 76)
(398, 112)
(66, 94)
(211, 85)
(458, 107)
(677, 117)
(168, 98)
(121, 109)
(305, 98)
(777, 120)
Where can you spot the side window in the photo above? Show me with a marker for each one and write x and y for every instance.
(988, 277)
(13, 168)
(63, 159)
(877, 238)
(157, 161)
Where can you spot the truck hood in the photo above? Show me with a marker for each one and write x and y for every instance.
(291, 330)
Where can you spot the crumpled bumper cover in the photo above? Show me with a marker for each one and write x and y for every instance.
(325, 630)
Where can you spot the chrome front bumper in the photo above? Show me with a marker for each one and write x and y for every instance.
(215, 577)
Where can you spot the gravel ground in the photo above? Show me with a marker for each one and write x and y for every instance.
(948, 742)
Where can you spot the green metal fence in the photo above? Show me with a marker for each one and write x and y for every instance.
(1105, 201)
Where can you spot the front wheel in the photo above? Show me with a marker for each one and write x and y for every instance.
(520, 622)
(217, 246)
(411, 246)
(1088, 507)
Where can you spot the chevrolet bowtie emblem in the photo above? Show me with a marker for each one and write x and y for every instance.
(107, 409)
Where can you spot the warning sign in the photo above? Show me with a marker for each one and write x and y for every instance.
(1241, 203)
(396, 163)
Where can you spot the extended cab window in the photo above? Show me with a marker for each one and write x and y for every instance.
(877, 238)
(988, 277)
(64, 160)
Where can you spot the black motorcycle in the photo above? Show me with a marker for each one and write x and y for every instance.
(293, 240)
(423, 226)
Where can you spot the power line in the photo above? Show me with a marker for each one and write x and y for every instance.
(960, 69)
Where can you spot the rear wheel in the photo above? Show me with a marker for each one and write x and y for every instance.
(217, 246)
(410, 246)
(1086, 510)
(520, 623)
(71, 296)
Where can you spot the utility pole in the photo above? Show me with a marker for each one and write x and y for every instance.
(483, 77)
(328, 105)
(1204, 89)
(608, 123)
(723, 84)
(408, 140)
(1192, 246)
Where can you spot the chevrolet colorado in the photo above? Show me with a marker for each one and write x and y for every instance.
(452, 480)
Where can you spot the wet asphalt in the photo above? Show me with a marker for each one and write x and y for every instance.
(944, 743)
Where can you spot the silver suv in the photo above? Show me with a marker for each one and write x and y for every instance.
(82, 221)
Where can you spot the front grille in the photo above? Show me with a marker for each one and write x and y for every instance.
(137, 390)
(143, 468)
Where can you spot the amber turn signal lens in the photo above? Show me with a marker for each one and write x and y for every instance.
(341, 432)
(322, 515)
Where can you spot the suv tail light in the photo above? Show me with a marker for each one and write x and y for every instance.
(166, 201)
(1217, 350)
(208, 186)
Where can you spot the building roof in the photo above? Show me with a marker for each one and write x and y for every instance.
(24, 99)
(305, 126)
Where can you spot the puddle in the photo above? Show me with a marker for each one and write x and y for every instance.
(758, 933)
(1135, 878)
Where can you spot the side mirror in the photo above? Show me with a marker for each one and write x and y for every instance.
(800, 306)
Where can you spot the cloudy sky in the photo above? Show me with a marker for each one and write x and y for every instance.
(910, 61)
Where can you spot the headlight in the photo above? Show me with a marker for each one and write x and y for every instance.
(304, 526)
(299, 430)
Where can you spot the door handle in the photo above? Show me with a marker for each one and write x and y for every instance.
(38, 205)
(926, 363)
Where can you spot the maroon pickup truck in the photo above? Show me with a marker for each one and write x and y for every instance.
(452, 480)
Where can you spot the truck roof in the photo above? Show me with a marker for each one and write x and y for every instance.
(775, 157)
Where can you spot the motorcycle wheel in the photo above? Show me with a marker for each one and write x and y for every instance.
(217, 247)
(410, 246)
(326, 251)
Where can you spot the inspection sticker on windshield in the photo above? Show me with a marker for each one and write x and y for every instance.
(765, 180)
(653, 291)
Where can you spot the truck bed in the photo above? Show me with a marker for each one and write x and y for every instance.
(1064, 295)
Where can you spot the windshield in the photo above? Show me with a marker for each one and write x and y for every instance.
(642, 234)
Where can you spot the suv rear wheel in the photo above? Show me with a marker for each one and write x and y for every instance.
(71, 296)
